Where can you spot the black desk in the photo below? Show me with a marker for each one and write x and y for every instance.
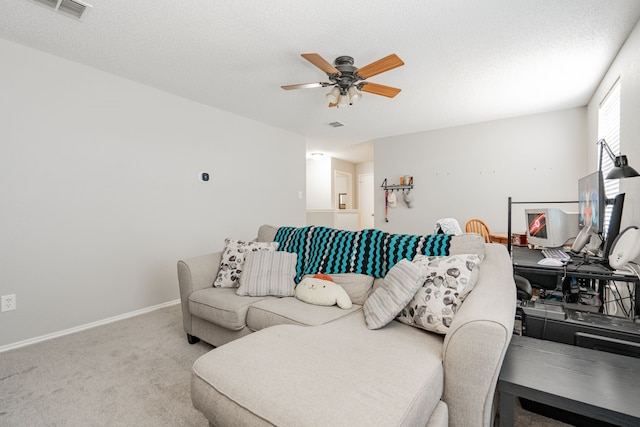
(593, 383)
(525, 263)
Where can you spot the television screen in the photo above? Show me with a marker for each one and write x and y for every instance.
(591, 202)
(537, 225)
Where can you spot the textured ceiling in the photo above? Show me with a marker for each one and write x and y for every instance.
(466, 61)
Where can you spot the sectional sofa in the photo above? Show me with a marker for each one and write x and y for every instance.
(282, 361)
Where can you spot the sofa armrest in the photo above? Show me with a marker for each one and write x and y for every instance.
(195, 274)
(477, 341)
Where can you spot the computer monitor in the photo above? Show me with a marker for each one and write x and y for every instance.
(550, 227)
(591, 202)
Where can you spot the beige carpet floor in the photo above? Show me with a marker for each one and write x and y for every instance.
(133, 372)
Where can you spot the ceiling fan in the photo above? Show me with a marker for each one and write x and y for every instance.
(348, 81)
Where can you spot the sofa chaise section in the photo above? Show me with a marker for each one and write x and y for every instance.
(337, 374)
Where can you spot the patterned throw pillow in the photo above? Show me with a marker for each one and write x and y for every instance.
(268, 273)
(449, 280)
(233, 260)
(399, 286)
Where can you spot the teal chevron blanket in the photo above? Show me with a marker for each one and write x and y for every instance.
(372, 252)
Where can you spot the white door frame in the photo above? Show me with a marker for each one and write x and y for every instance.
(366, 217)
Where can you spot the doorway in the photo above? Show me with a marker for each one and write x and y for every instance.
(365, 200)
(342, 190)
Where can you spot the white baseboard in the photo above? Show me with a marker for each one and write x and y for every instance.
(86, 326)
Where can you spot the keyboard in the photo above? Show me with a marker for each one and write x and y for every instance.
(556, 253)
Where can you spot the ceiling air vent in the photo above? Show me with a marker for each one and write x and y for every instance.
(336, 124)
(72, 8)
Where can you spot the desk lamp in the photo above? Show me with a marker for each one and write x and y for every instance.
(621, 168)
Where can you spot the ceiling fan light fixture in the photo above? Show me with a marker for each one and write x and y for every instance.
(346, 79)
(354, 95)
(343, 100)
(333, 95)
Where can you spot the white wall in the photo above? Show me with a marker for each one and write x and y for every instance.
(321, 192)
(100, 191)
(626, 67)
(470, 171)
(319, 183)
(364, 168)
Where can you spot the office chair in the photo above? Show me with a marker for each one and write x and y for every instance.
(524, 290)
(478, 226)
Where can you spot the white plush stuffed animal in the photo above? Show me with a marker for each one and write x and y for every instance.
(318, 291)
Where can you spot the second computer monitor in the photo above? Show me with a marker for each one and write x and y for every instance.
(550, 227)
(591, 202)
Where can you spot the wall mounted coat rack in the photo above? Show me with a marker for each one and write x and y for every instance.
(395, 187)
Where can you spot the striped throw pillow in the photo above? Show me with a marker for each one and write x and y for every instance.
(268, 273)
(398, 288)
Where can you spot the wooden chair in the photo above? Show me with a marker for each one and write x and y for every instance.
(524, 290)
(478, 226)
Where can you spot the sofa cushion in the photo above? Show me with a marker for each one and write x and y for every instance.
(221, 306)
(398, 287)
(469, 243)
(268, 273)
(448, 282)
(338, 374)
(291, 311)
(267, 233)
(377, 282)
(232, 261)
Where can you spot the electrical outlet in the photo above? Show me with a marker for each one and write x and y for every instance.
(8, 302)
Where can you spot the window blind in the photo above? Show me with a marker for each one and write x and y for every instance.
(609, 129)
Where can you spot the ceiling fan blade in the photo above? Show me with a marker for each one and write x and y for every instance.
(306, 85)
(321, 63)
(380, 66)
(383, 90)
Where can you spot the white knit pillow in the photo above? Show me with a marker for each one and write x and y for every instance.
(268, 273)
(398, 288)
